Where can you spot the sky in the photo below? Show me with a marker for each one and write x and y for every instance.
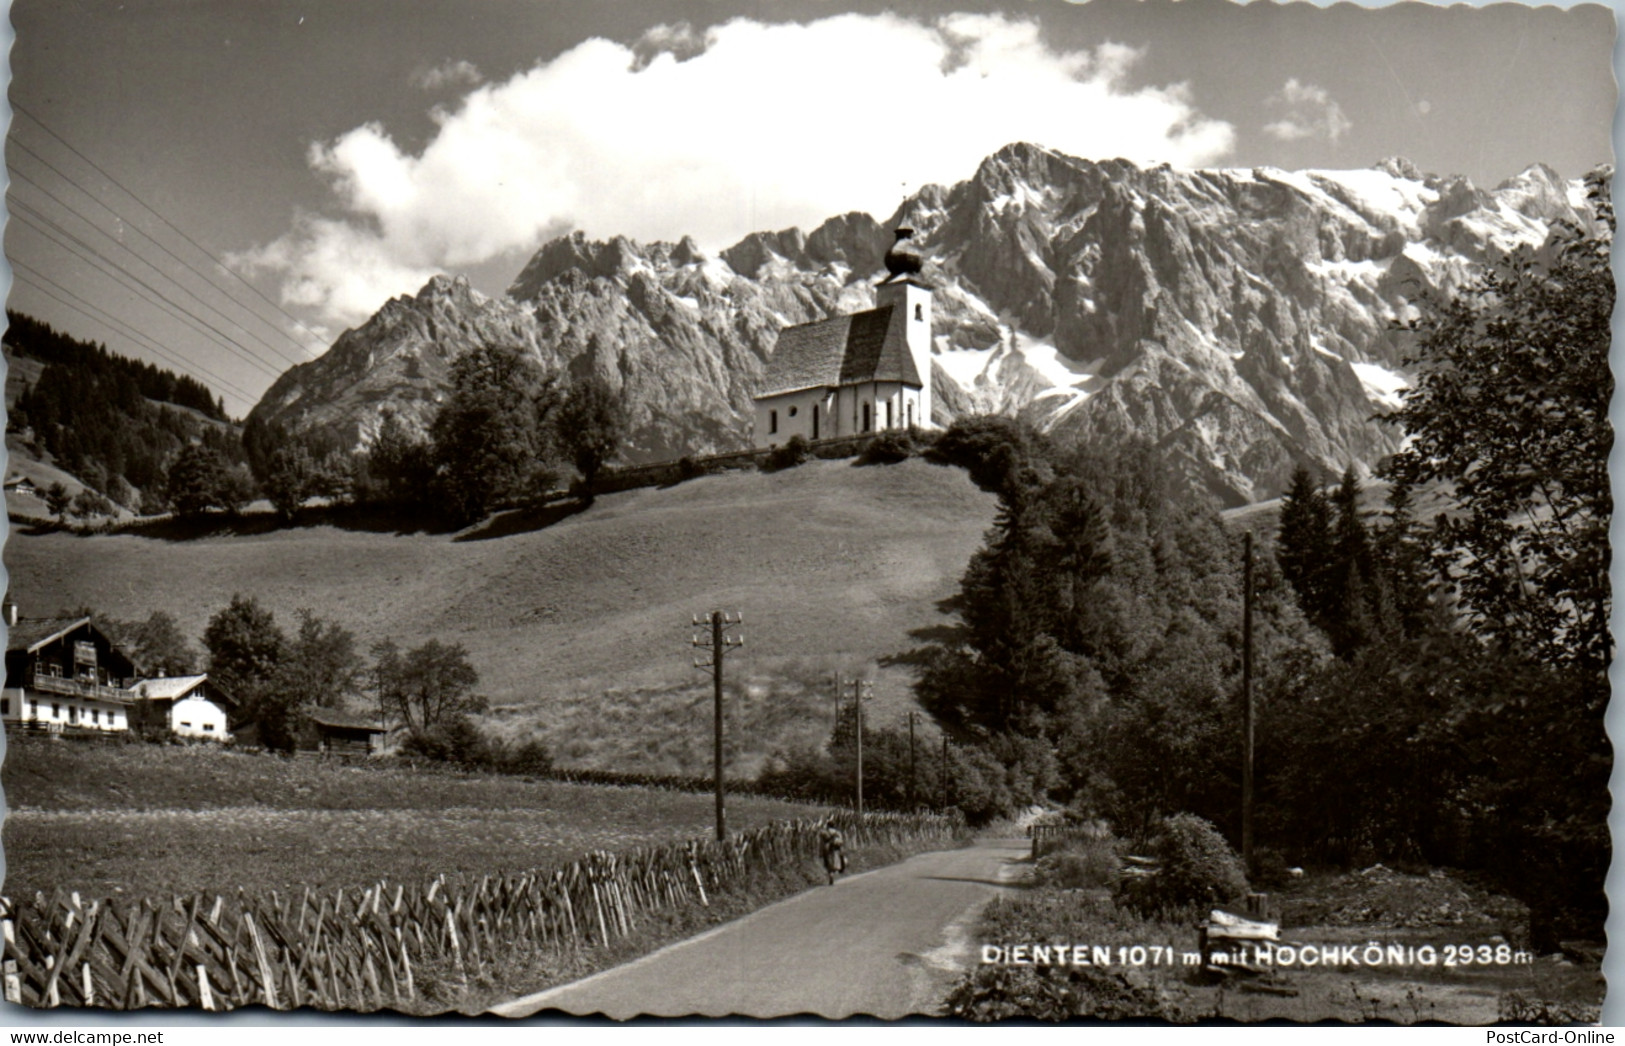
(223, 186)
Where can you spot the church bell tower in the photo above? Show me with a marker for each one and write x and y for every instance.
(906, 289)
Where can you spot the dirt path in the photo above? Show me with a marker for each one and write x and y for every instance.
(888, 942)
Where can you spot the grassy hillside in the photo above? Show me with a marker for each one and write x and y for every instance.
(582, 627)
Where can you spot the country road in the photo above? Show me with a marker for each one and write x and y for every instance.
(889, 942)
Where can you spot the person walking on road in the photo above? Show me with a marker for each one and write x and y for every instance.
(831, 847)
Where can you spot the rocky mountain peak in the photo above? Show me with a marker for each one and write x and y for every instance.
(1241, 320)
(1400, 167)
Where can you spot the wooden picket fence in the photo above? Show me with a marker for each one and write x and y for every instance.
(372, 948)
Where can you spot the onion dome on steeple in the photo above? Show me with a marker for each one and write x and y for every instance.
(904, 259)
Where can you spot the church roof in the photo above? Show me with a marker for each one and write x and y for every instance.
(843, 350)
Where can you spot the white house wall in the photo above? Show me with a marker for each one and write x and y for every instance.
(59, 710)
(198, 717)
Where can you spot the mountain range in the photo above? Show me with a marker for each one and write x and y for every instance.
(1243, 320)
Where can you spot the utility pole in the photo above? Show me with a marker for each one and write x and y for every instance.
(860, 689)
(911, 762)
(944, 773)
(1247, 701)
(720, 642)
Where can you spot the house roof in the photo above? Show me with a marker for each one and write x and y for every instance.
(343, 720)
(166, 688)
(842, 350)
(31, 633)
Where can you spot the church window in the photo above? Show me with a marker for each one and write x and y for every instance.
(793, 412)
(772, 421)
(919, 311)
(865, 418)
(888, 414)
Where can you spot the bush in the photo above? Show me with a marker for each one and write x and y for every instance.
(1517, 1008)
(1196, 867)
(987, 446)
(794, 451)
(1270, 869)
(459, 742)
(529, 758)
(1054, 993)
(889, 448)
(1083, 864)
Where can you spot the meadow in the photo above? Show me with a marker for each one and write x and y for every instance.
(144, 820)
(579, 626)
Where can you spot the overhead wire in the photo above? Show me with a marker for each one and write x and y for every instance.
(275, 367)
(44, 284)
(226, 341)
(27, 216)
(136, 228)
(42, 125)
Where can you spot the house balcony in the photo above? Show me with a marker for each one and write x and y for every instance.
(76, 688)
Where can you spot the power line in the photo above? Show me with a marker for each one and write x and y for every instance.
(197, 370)
(29, 217)
(18, 107)
(156, 243)
(164, 275)
(227, 341)
(38, 280)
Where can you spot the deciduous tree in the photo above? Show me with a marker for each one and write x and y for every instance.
(589, 424)
(1509, 410)
(428, 686)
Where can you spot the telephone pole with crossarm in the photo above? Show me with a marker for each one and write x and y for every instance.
(716, 625)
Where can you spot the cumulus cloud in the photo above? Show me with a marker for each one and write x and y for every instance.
(461, 73)
(746, 126)
(1306, 111)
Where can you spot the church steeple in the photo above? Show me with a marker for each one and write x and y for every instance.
(906, 288)
(904, 258)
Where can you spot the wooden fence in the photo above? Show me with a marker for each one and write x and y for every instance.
(374, 948)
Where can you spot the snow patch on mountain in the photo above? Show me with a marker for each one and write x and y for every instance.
(1382, 384)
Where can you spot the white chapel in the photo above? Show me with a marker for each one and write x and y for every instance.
(864, 372)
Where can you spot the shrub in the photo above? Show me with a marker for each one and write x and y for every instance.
(1083, 864)
(1053, 993)
(986, 446)
(1517, 1008)
(1196, 867)
(529, 758)
(1270, 869)
(794, 451)
(889, 448)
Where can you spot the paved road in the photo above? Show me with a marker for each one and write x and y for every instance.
(888, 942)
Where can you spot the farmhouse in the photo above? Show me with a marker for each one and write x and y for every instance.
(63, 674)
(864, 372)
(184, 706)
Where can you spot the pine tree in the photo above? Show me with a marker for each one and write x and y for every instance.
(1304, 543)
